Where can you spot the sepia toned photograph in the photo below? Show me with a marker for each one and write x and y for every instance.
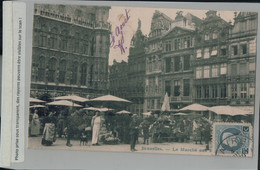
(143, 80)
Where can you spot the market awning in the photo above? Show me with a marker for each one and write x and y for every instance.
(64, 103)
(229, 110)
(195, 107)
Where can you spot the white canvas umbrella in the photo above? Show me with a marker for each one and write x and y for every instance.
(123, 112)
(229, 110)
(37, 106)
(98, 109)
(195, 107)
(34, 100)
(110, 98)
(63, 103)
(71, 98)
(166, 103)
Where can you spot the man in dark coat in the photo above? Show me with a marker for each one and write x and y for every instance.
(134, 129)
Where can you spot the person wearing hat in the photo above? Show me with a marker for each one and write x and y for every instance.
(134, 130)
(95, 124)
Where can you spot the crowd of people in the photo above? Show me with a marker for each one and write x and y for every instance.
(97, 128)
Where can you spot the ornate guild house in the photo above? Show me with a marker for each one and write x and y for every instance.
(208, 61)
(70, 51)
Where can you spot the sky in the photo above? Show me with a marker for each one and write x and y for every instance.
(124, 21)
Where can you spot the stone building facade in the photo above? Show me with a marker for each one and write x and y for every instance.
(242, 59)
(154, 64)
(70, 50)
(209, 61)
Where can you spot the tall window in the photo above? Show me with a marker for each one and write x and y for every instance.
(76, 42)
(168, 87)
(186, 87)
(214, 91)
(252, 90)
(168, 46)
(43, 36)
(85, 45)
(214, 71)
(177, 88)
(234, 91)
(223, 68)
(186, 62)
(214, 51)
(199, 53)
(252, 47)
(62, 72)
(243, 49)
(234, 50)
(223, 90)
(206, 53)
(177, 63)
(52, 69)
(83, 75)
(168, 64)
(206, 72)
(223, 51)
(206, 92)
(74, 73)
(91, 75)
(242, 69)
(252, 66)
(198, 91)
(177, 44)
(233, 69)
(41, 69)
(243, 90)
(54, 38)
(198, 72)
(64, 40)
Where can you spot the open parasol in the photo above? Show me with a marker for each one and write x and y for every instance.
(123, 112)
(34, 100)
(71, 98)
(195, 107)
(98, 109)
(229, 110)
(64, 103)
(37, 106)
(109, 98)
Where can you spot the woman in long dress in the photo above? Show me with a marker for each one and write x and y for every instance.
(95, 123)
(35, 124)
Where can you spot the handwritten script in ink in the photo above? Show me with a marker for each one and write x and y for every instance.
(117, 38)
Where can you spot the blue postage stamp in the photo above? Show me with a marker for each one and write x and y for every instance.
(232, 139)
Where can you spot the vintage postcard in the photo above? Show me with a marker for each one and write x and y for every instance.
(143, 80)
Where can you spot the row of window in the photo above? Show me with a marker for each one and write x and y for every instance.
(177, 63)
(177, 88)
(72, 75)
(206, 53)
(211, 91)
(243, 48)
(243, 90)
(179, 43)
(211, 71)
